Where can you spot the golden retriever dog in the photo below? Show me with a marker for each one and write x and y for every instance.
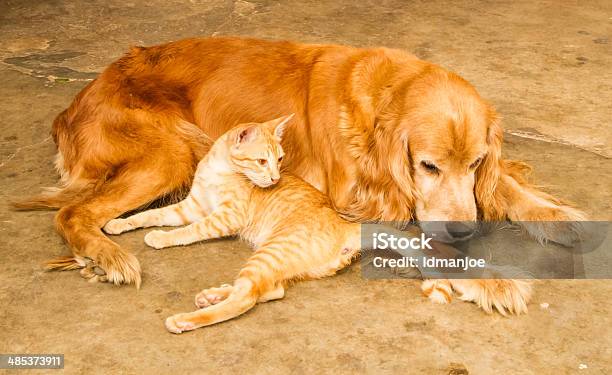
(385, 135)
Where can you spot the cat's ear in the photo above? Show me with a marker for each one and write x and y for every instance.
(277, 126)
(246, 134)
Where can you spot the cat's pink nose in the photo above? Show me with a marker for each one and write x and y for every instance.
(274, 180)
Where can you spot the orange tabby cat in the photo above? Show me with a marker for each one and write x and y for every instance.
(236, 190)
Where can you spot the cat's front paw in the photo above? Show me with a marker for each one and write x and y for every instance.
(157, 239)
(117, 226)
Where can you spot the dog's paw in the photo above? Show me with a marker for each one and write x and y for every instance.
(112, 264)
(438, 291)
(507, 296)
(117, 266)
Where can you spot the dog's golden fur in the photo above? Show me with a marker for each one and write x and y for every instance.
(385, 135)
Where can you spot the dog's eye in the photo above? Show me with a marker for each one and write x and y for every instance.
(429, 167)
(476, 163)
(262, 162)
(280, 159)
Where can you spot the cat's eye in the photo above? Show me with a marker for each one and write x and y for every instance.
(430, 167)
(476, 163)
(262, 162)
(280, 159)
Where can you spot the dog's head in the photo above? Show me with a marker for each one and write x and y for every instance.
(453, 145)
(441, 144)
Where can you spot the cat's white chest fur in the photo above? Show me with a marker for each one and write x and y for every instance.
(211, 185)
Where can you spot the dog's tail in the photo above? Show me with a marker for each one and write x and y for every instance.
(72, 186)
(53, 198)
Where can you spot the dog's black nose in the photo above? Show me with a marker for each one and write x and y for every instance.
(460, 230)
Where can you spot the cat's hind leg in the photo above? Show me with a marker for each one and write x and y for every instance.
(212, 296)
(260, 280)
(243, 297)
(273, 294)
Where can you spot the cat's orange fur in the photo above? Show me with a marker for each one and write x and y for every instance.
(236, 190)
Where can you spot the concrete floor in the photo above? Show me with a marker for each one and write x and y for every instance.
(544, 65)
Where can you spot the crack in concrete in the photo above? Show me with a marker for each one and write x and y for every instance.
(12, 156)
(240, 8)
(547, 139)
(48, 66)
(35, 60)
(49, 77)
(536, 136)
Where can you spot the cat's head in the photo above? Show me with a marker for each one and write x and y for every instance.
(256, 150)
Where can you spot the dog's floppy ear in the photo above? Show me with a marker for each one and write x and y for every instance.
(489, 171)
(401, 171)
(369, 124)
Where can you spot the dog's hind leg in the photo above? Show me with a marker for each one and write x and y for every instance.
(134, 185)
